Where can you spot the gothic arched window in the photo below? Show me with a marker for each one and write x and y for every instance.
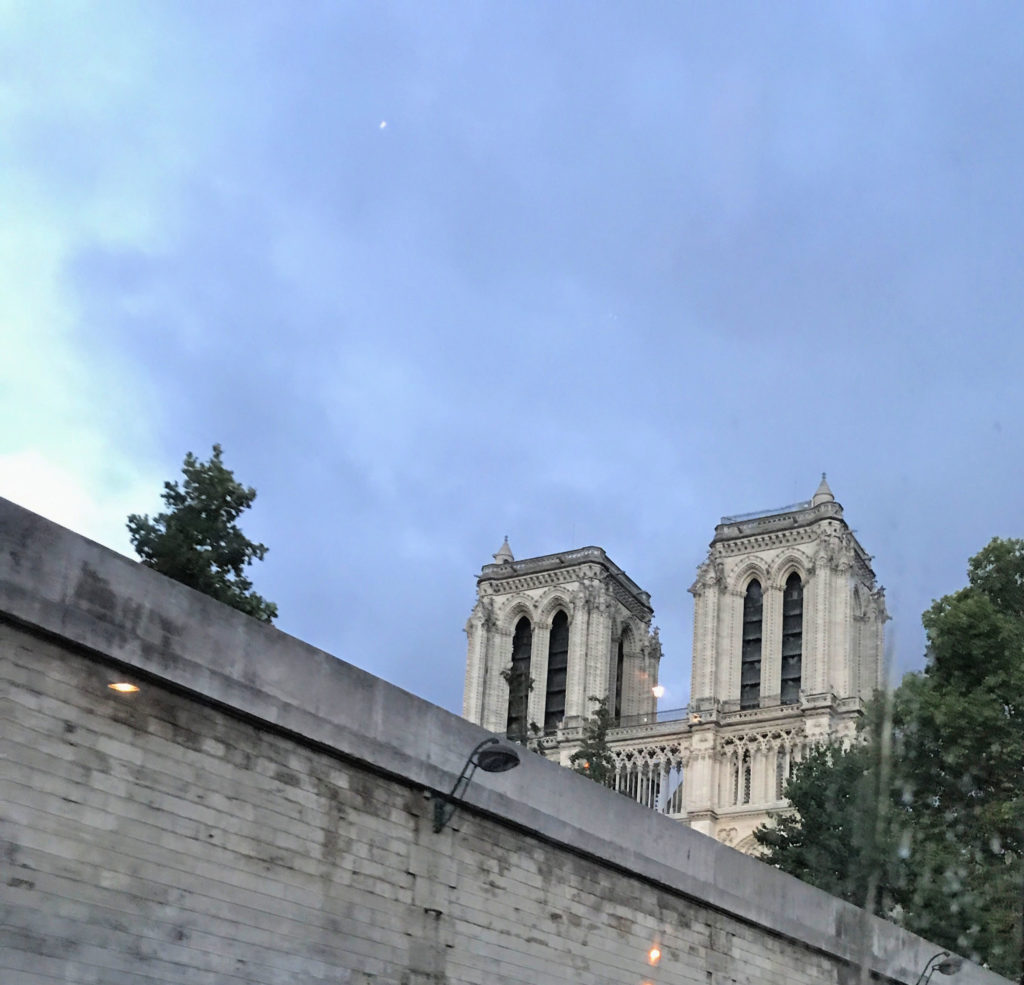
(519, 679)
(558, 662)
(750, 668)
(746, 777)
(620, 662)
(792, 639)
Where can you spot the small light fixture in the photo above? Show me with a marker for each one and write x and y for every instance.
(658, 690)
(654, 955)
(123, 687)
(490, 760)
(943, 962)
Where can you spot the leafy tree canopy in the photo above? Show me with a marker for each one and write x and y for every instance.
(594, 758)
(198, 541)
(825, 840)
(926, 822)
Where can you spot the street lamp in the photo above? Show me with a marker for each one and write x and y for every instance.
(943, 962)
(498, 760)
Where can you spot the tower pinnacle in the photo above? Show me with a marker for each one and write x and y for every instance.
(504, 554)
(823, 494)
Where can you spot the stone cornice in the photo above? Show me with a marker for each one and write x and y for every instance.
(787, 530)
(763, 541)
(559, 569)
(733, 528)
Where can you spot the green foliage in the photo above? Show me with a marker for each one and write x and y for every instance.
(827, 838)
(960, 756)
(926, 822)
(594, 758)
(198, 542)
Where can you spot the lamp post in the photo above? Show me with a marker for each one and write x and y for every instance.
(943, 962)
(490, 760)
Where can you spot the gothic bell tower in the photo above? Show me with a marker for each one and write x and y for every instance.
(787, 648)
(547, 633)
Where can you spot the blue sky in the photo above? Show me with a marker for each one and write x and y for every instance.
(581, 273)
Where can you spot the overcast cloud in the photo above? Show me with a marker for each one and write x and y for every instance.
(581, 273)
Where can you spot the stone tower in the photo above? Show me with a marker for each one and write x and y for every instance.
(787, 647)
(549, 632)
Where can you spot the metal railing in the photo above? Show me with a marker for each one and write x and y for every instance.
(655, 718)
(758, 514)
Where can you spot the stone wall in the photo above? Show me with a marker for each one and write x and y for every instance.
(260, 811)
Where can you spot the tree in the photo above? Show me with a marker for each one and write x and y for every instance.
(960, 757)
(828, 837)
(198, 542)
(930, 828)
(594, 758)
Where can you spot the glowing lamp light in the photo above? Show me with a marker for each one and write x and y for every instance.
(658, 690)
(123, 687)
(654, 955)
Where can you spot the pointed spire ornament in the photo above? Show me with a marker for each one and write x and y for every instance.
(823, 494)
(504, 554)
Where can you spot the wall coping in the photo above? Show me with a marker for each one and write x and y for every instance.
(61, 584)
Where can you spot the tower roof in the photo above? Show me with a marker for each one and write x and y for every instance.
(823, 494)
(504, 554)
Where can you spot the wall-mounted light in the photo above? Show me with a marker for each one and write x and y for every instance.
(943, 962)
(123, 687)
(658, 690)
(490, 760)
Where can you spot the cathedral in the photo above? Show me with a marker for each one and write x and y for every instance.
(787, 648)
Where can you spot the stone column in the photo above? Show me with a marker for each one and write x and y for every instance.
(706, 591)
(495, 701)
(472, 695)
(771, 646)
(841, 652)
(539, 673)
(579, 634)
(700, 792)
(816, 635)
(598, 649)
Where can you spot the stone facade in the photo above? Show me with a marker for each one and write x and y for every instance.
(787, 647)
(610, 648)
(260, 812)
